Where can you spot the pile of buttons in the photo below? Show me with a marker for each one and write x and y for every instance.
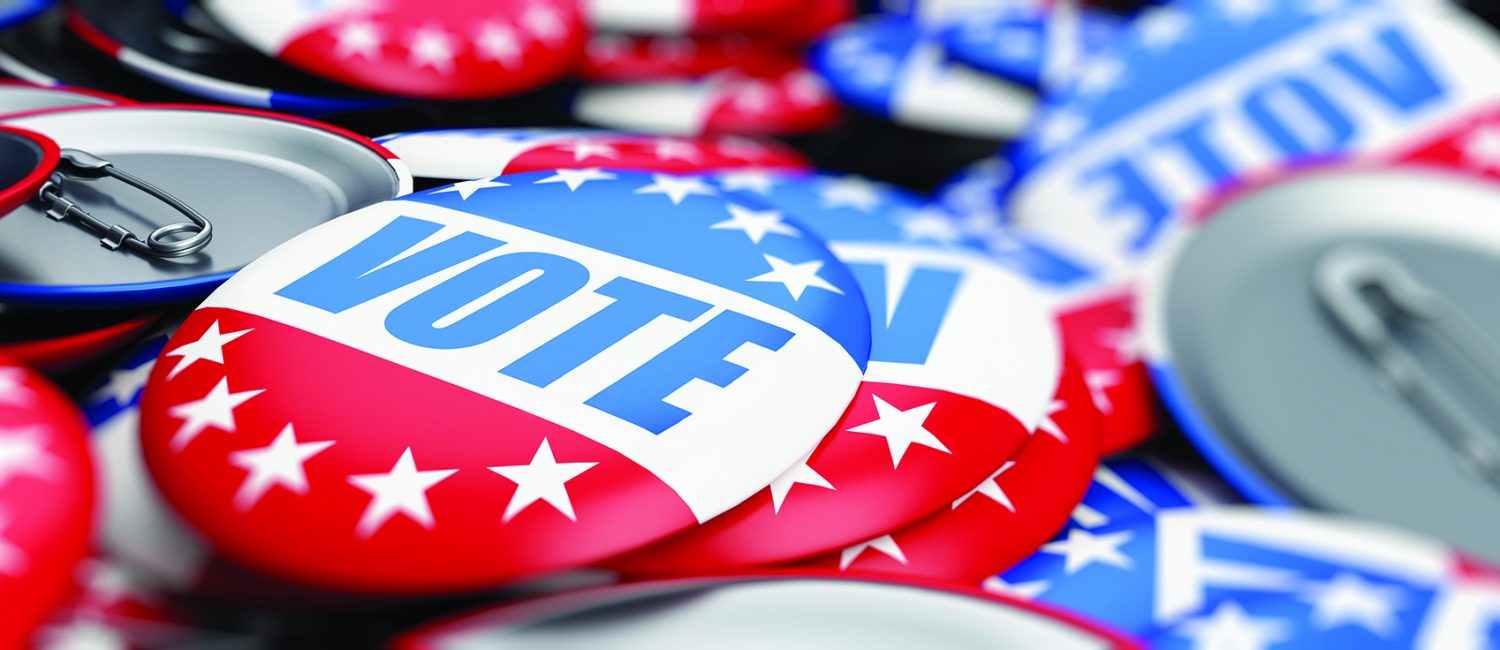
(656, 323)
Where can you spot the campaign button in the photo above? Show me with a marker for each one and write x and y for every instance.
(1266, 578)
(963, 366)
(1003, 517)
(509, 375)
(774, 97)
(894, 68)
(1354, 308)
(1020, 45)
(240, 182)
(46, 499)
(464, 49)
(463, 154)
(754, 609)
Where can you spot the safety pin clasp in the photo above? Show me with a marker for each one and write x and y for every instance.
(172, 240)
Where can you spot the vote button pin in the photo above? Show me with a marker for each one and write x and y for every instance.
(499, 378)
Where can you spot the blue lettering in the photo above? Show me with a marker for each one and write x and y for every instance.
(415, 321)
(635, 305)
(1132, 193)
(637, 398)
(905, 332)
(1335, 125)
(1410, 84)
(1191, 137)
(356, 275)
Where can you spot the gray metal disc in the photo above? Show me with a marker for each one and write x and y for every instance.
(18, 98)
(1271, 376)
(258, 179)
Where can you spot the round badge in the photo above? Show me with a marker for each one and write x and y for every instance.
(1339, 300)
(462, 154)
(1005, 516)
(690, 16)
(46, 499)
(1020, 45)
(936, 413)
(755, 609)
(1248, 577)
(891, 67)
(599, 355)
(21, 97)
(457, 49)
(240, 182)
(145, 39)
(27, 159)
(775, 97)
(53, 341)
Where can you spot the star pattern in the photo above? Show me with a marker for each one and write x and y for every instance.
(1347, 599)
(674, 149)
(1083, 548)
(749, 181)
(432, 47)
(884, 544)
(23, 452)
(850, 192)
(1101, 77)
(498, 42)
(13, 560)
(1099, 382)
(13, 389)
(1229, 628)
(797, 278)
(124, 384)
(467, 189)
(901, 429)
(278, 464)
(929, 224)
(1244, 11)
(401, 491)
(676, 188)
(799, 473)
(216, 409)
(991, 488)
(209, 347)
(756, 224)
(1060, 127)
(575, 178)
(543, 479)
(359, 38)
(1049, 424)
(1162, 28)
(583, 149)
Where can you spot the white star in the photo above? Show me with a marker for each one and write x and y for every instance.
(543, 479)
(991, 488)
(124, 384)
(1023, 590)
(1228, 628)
(1101, 77)
(1347, 598)
(901, 429)
(755, 223)
(1481, 149)
(584, 149)
(498, 42)
(799, 473)
(752, 181)
(850, 191)
(674, 149)
(1083, 548)
(359, 37)
(1244, 11)
(1125, 342)
(208, 347)
(13, 560)
(1049, 423)
(929, 224)
(676, 188)
(403, 490)
(432, 47)
(884, 544)
(545, 23)
(795, 277)
(575, 178)
(216, 409)
(1060, 127)
(24, 451)
(1162, 28)
(1100, 381)
(13, 390)
(279, 463)
(467, 189)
